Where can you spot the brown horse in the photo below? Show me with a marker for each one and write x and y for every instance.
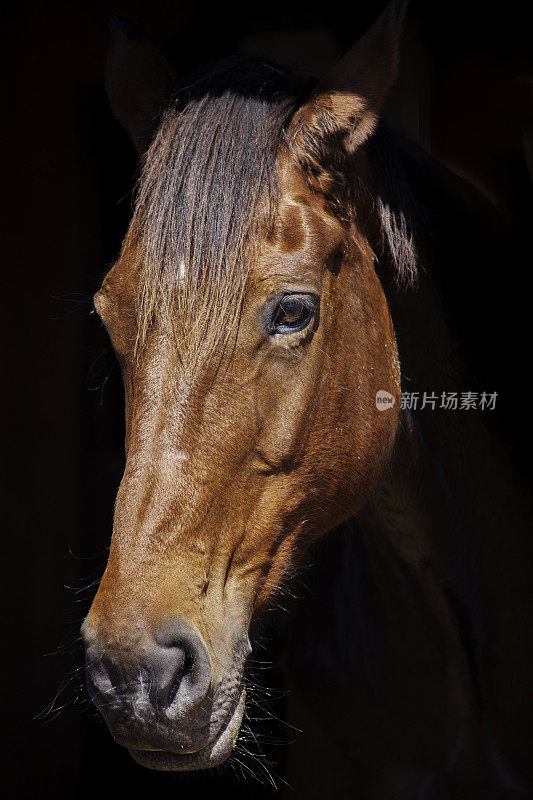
(263, 302)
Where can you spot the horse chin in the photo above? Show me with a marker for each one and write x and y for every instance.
(212, 755)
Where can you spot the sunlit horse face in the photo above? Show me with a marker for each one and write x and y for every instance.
(239, 457)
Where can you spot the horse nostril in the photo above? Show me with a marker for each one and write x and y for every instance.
(168, 670)
(183, 669)
(181, 666)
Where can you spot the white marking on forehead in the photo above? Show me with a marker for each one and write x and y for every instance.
(181, 270)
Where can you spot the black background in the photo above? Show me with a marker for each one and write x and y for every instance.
(465, 92)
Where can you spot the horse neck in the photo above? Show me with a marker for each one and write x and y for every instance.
(437, 566)
(490, 504)
(452, 508)
(491, 511)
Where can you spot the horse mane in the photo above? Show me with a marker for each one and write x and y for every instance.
(208, 188)
(401, 217)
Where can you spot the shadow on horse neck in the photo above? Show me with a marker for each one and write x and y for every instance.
(419, 601)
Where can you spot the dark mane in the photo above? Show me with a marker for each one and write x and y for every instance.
(208, 188)
(400, 215)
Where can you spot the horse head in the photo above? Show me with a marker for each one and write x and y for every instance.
(253, 336)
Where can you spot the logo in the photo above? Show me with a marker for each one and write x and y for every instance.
(384, 400)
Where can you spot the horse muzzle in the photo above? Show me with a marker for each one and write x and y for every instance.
(158, 697)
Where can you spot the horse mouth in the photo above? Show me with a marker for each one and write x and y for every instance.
(212, 755)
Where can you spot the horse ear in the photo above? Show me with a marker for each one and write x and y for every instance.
(139, 80)
(345, 104)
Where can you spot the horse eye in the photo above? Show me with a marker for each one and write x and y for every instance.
(292, 313)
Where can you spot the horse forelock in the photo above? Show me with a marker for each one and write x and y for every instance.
(207, 191)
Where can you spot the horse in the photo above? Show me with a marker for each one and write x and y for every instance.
(275, 292)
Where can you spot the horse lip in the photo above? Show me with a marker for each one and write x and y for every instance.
(212, 754)
(129, 742)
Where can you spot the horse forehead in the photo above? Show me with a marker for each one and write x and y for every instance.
(302, 234)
